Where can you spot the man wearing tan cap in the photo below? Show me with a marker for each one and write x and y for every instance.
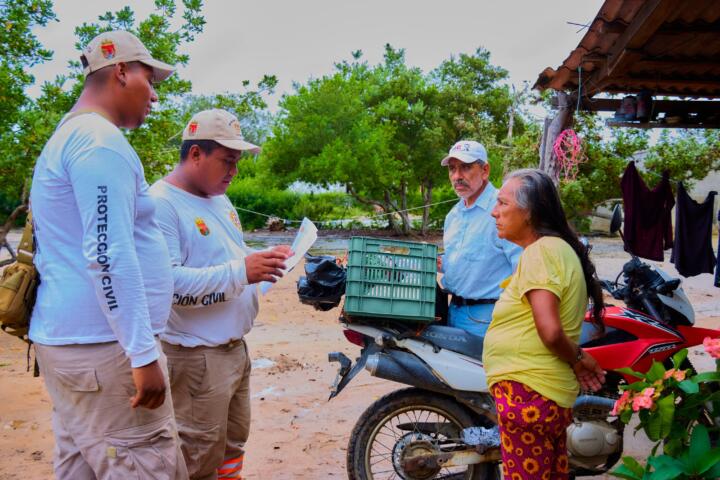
(215, 300)
(107, 284)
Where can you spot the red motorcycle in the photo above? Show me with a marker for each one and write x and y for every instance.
(416, 433)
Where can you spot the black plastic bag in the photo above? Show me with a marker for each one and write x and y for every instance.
(324, 285)
(323, 271)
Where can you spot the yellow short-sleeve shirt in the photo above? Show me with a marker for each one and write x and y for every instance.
(513, 349)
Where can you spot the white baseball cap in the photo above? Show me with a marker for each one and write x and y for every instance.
(117, 46)
(467, 151)
(220, 126)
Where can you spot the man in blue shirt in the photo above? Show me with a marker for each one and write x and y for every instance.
(475, 259)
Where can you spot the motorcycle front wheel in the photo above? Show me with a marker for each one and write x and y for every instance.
(409, 422)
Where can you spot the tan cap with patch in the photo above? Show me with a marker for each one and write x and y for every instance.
(220, 126)
(117, 46)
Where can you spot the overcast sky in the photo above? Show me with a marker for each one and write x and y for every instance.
(296, 40)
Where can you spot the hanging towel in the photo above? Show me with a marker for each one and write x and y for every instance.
(692, 251)
(648, 227)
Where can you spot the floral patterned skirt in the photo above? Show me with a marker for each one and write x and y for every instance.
(532, 433)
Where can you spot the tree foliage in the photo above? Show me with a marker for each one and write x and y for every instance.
(381, 130)
(688, 156)
(36, 120)
(21, 49)
(598, 178)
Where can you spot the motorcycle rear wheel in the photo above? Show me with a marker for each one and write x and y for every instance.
(370, 458)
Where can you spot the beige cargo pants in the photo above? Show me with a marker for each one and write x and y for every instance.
(97, 434)
(211, 394)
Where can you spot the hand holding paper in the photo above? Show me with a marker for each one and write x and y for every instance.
(306, 236)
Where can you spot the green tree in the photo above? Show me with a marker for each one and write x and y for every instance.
(598, 178)
(381, 130)
(689, 155)
(21, 50)
(36, 120)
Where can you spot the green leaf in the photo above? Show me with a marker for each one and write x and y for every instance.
(699, 446)
(710, 461)
(630, 469)
(706, 377)
(666, 468)
(688, 386)
(631, 372)
(626, 416)
(659, 422)
(656, 372)
(714, 472)
(679, 358)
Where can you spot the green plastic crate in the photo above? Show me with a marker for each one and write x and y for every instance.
(391, 279)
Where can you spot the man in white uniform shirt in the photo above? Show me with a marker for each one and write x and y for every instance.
(106, 282)
(215, 300)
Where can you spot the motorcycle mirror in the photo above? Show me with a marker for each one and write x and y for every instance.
(617, 219)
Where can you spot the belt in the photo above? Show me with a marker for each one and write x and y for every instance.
(460, 301)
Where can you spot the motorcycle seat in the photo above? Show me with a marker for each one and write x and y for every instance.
(454, 339)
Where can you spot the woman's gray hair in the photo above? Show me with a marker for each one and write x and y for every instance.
(538, 195)
(530, 182)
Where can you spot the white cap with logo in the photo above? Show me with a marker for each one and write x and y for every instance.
(117, 46)
(220, 126)
(467, 151)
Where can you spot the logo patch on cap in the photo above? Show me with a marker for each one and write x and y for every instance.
(202, 227)
(192, 128)
(465, 147)
(108, 49)
(236, 126)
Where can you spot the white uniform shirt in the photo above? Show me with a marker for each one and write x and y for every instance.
(212, 304)
(104, 267)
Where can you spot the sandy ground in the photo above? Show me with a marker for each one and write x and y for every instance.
(296, 432)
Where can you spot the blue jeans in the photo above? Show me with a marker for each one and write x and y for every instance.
(473, 319)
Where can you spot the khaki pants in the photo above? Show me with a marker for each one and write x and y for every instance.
(211, 393)
(97, 433)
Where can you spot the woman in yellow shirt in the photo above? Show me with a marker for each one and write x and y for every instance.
(533, 363)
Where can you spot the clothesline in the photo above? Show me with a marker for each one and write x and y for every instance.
(340, 220)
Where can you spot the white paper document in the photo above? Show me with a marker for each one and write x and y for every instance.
(306, 236)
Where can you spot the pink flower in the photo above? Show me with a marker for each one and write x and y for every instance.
(678, 375)
(644, 400)
(712, 346)
(621, 403)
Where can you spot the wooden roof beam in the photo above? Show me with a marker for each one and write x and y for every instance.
(674, 107)
(628, 46)
(667, 84)
(657, 64)
(646, 22)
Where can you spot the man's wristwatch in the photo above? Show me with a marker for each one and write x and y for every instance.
(578, 357)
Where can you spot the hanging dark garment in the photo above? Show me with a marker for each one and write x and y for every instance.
(717, 267)
(692, 251)
(648, 227)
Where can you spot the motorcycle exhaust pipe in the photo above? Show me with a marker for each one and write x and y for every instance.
(405, 368)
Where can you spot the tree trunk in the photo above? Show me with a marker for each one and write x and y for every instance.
(402, 211)
(7, 226)
(390, 207)
(548, 160)
(426, 190)
(511, 120)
